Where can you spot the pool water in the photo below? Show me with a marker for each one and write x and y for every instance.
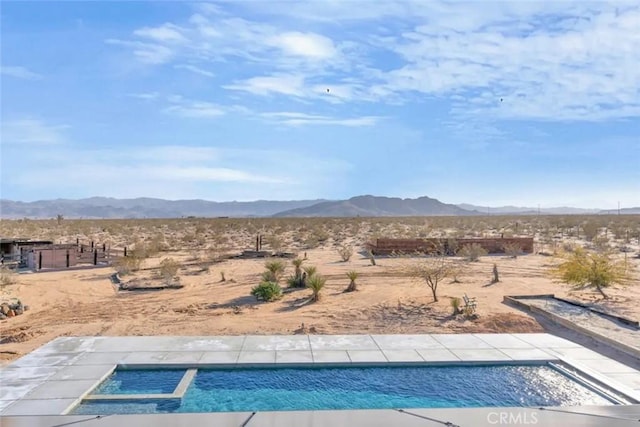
(141, 382)
(288, 389)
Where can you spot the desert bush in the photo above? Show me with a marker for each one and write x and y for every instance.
(169, 269)
(274, 242)
(590, 230)
(512, 250)
(345, 252)
(472, 252)
(433, 271)
(583, 269)
(311, 242)
(316, 283)
(7, 276)
(127, 265)
(601, 243)
(267, 291)
(352, 275)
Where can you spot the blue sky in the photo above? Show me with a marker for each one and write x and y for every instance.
(525, 103)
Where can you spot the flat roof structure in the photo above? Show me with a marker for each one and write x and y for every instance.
(39, 389)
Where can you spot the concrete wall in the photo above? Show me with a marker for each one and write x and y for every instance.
(55, 257)
(491, 245)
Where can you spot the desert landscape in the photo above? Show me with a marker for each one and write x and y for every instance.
(203, 290)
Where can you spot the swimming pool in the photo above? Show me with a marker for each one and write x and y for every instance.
(313, 388)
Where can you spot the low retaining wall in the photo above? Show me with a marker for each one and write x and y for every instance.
(449, 246)
(516, 300)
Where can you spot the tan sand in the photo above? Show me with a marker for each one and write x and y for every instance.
(80, 303)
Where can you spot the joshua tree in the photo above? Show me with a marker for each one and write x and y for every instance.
(275, 269)
(311, 271)
(297, 279)
(316, 283)
(352, 275)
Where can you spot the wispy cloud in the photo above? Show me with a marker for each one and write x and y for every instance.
(178, 172)
(194, 69)
(502, 60)
(167, 33)
(301, 119)
(149, 96)
(145, 52)
(291, 84)
(195, 109)
(19, 72)
(29, 132)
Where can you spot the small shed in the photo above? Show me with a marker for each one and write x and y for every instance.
(15, 250)
(52, 256)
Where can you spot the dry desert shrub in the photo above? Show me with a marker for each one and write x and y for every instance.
(345, 252)
(169, 269)
(472, 252)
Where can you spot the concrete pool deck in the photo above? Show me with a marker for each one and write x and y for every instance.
(41, 387)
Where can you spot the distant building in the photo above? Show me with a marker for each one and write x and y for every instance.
(44, 254)
(14, 251)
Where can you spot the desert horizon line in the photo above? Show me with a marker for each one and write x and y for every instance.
(621, 205)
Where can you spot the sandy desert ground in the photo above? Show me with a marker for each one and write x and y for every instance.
(86, 302)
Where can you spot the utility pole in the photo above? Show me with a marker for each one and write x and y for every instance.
(618, 208)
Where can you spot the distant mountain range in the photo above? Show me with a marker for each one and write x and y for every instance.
(106, 207)
(378, 206)
(364, 206)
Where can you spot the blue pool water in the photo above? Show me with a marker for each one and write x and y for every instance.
(141, 382)
(284, 389)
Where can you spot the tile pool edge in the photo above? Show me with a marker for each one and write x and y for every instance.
(178, 392)
(614, 393)
(84, 359)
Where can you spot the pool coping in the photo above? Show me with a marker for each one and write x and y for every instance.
(177, 393)
(519, 301)
(53, 379)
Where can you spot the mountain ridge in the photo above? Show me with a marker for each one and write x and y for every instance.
(365, 206)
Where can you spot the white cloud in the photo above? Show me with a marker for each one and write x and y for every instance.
(301, 119)
(546, 61)
(149, 96)
(196, 109)
(167, 33)
(267, 85)
(29, 131)
(194, 69)
(147, 53)
(307, 45)
(19, 72)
